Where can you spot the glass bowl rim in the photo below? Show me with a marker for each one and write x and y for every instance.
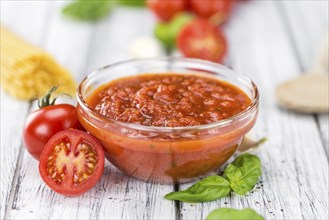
(220, 123)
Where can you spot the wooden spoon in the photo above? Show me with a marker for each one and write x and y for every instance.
(308, 93)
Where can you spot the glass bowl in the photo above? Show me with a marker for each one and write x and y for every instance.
(167, 154)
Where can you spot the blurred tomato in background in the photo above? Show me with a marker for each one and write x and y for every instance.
(165, 10)
(200, 38)
(208, 8)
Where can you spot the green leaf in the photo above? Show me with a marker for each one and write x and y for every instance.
(208, 189)
(167, 32)
(228, 213)
(243, 173)
(132, 3)
(88, 10)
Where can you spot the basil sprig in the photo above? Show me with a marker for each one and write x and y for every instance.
(88, 10)
(240, 176)
(229, 213)
(208, 189)
(243, 173)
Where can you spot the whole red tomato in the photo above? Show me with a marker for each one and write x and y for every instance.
(72, 162)
(207, 8)
(43, 123)
(165, 9)
(201, 39)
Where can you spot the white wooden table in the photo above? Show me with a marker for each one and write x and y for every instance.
(270, 41)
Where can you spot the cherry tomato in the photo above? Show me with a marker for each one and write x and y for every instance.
(72, 162)
(207, 8)
(165, 9)
(43, 123)
(201, 39)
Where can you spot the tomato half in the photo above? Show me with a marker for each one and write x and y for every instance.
(165, 9)
(43, 123)
(207, 8)
(72, 162)
(200, 39)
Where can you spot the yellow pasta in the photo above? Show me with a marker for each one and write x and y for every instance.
(28, 72)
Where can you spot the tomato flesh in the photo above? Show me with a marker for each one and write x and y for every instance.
(72, 162)
(200, 39)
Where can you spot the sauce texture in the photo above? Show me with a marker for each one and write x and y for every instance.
(168, 100)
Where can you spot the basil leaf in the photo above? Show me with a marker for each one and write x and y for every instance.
(132, 3)
(87, 10)
(243, 173)
(207, 189)
(228, 213)
(167, 32)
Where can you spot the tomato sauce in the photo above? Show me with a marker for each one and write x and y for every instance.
(168, 100)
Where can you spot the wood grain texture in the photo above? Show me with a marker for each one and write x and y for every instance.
(307, 44)
(13, 112)
(323, 123)
(270, 41)
(295, 166)
(11, 151)
(67, 40)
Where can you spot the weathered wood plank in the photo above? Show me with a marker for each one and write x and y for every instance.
(116, 196)
(113, 36)
(13, 112)
(294, 163)
(307, 32)
(31, 13)
(308, 43)
(63, 45)
(69, 41)
(323, 121)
